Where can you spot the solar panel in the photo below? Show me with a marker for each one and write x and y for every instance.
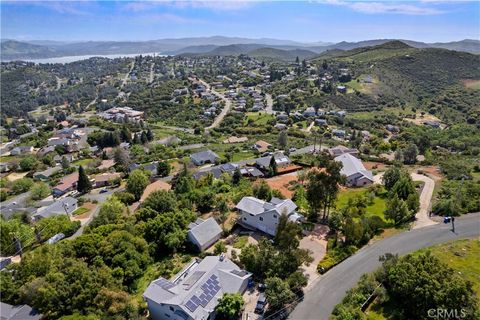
(240, 273)
(195, 299)
(164, 283)
(191, 306)
(193, 279)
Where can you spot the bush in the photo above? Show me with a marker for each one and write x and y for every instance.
(220, 248)
(335, 256)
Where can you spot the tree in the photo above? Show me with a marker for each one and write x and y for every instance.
(391, 176)
(83, 185)
(121, 157)
(21, 185)
(161, 201)
(410, 154)
(229, 306)
(163, 169)
(278, 293)
(39, 191)
(272, 167)
(286, 238)
(397, 210)
(403, 187)
(262, 191)
(136, 183)
(220, 248)
(110, 212)
(283, 139)
(28, 163)
(237, 176)
(65, 164)
(149, 135)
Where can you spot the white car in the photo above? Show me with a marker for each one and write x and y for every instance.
(56, 238)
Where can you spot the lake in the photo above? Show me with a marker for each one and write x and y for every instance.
(69, 59)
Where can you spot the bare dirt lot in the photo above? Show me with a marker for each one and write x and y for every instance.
(370, 165)
(281, 183)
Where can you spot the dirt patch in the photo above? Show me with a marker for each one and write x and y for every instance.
(471, 83)
(370, 165)
(282, 183)
(16, 176)
(419, 119)
(432, 171)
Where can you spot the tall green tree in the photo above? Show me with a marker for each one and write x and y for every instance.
(229, 306)
(83, 185)
(137, 182)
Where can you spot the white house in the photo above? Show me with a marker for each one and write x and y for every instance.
(354, 170)
(264, 216)
(194, 292)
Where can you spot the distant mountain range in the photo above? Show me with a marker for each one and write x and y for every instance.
(216, 45)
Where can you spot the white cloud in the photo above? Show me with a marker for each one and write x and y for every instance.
(220, 5)
(371, 7)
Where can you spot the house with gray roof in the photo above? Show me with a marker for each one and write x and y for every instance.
(204, 233)
(216, 171)
(281, 160)
(194, 292)
(203, 157)
(46, 174)
(66, 205)
(20, 312)
(264, 216)
(354, 170)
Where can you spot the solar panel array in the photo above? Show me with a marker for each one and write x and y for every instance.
(209, 289)
(164, 283)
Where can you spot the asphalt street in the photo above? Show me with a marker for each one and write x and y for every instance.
(329, 289)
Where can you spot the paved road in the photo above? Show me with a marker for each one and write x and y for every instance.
(269, 100)
(15, 204)
(186, 130)
(329, 289)
(225, 110)
(151, 72)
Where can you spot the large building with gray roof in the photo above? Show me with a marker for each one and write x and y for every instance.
(264, 216)
(194, 292)
(20, 312)
(354, 170)
(204, 233)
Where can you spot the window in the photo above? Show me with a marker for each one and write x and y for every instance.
(171, 308)
(244, 218)
(275, 216)
(261, 218)
(251, 215)
(168, 316)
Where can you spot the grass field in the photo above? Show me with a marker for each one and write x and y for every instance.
(376, 209)
(82, 162)
(460, 255)
(80, 211)
(259, 118)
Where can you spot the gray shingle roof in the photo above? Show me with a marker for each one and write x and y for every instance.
(204, 156)
(256, 206)
(352, 165)
(203, 231)
(21, 312)
(58, 207)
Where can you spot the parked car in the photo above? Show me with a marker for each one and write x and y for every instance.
(104, 190)
(261, 303)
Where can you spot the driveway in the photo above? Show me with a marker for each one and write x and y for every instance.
(316, 242)
(330, 288)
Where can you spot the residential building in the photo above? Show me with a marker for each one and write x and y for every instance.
(21, 150)
(309, 112)
(234, 139)
(264, 216)
(252, 172)
(204, 233)
(20, 312)
(106, 164)
(203, 157)
(321, 122)
(354, 170)
(338, 133)
(106, 179)
(281, 160)
(66, 184)
(46, 174)
(194, 292)
(66, 205)
(118, 113)
(262, 146)
(339, 150)
(216, 171)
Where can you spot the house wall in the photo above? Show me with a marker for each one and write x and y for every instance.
(267, 225)
(358, 180)
(163, 312)
(206, 245)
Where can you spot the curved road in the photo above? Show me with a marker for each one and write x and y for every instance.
(329, 289)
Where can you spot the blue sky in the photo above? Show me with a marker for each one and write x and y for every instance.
(307, 21)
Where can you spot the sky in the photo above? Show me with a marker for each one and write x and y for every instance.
(303, 21)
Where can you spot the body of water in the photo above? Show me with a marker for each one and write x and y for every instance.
(69, 59)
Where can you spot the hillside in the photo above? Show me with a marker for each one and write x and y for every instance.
(12, 49)
(288, 55)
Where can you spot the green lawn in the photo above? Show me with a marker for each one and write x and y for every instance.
(82, 162)
(240, 242)
(80, 211)
(259, 118)
(375, 209)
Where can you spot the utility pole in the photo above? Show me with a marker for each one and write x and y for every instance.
(453, 224)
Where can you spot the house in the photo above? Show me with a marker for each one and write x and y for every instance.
(203, 157)
(204, 233)
(342, 89)
(339, 150)
(106, 179)
(321, 122)
(106, 164)
(119, 113)
(66, 205)
(21, 150)
(262, 146)
(234, 139)
(340, 113)
(45, 150)
(66, 184)
(6, 166)
(216, 171)
(154, 186)
(391, 128)
(69, 156)
(264, 216)
(281, 160)
(280, 126)
(56, 141)
(433, 124)
(252, 172)
(309, 112)
(46, 174)
(20, 312)
(338, 133)
(194, 292)
(354, 170)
